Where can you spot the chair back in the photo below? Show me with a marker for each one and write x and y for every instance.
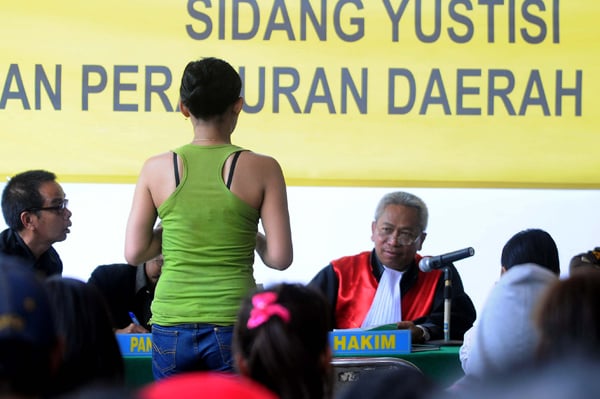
(347, 370)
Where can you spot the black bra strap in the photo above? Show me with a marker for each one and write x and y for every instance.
(233, 162)
(176, 169)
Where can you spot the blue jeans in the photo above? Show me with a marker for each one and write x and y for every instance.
(189, 347)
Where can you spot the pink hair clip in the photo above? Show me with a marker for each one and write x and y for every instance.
(264, 306)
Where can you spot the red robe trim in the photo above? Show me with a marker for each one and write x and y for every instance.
(357, 287)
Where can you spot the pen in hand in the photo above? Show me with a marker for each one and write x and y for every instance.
(135, 327)
(134, 319)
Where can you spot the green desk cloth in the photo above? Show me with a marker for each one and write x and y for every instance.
(442, 366)
(138, 371)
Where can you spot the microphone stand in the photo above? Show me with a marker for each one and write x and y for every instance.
(447, 310)
(447, 302)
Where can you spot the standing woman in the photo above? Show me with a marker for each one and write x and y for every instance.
(210, 196)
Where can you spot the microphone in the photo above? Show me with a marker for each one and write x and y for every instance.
(430, 263)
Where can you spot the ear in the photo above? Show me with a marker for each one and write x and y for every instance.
(422, 240)
(27, 219)
(502, 270)
(184, 110)
(238, 105)
(373, 228)
(241, 365)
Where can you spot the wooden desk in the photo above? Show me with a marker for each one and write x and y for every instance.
(443, 366)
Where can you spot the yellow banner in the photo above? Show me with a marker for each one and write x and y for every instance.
(432, 93)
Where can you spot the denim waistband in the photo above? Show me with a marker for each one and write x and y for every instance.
(193, 326)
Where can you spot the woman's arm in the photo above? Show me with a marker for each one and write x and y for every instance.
(142, 241)
(275, 246)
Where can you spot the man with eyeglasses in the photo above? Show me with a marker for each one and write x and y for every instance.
(385, 285)
(35, 210)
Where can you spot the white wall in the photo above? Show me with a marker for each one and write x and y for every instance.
(329, 222)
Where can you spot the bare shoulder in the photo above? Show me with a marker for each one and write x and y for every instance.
(260, 161)
(157, 178)
(159, 159)
(255, 175)
(157, 163)
(157, 173)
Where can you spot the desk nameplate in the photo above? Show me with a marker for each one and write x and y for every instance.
(370, 342)
(135, 344)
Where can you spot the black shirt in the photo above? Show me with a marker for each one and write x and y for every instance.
(46, 265)
(126, 289)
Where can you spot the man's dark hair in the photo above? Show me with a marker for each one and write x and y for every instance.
(531, 246)
(22, 192)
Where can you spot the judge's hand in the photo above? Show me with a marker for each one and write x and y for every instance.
(131, 329)
(416, 334)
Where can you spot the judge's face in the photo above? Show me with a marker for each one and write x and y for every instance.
(397, 236)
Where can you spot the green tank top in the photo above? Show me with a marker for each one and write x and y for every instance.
(208, 242)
